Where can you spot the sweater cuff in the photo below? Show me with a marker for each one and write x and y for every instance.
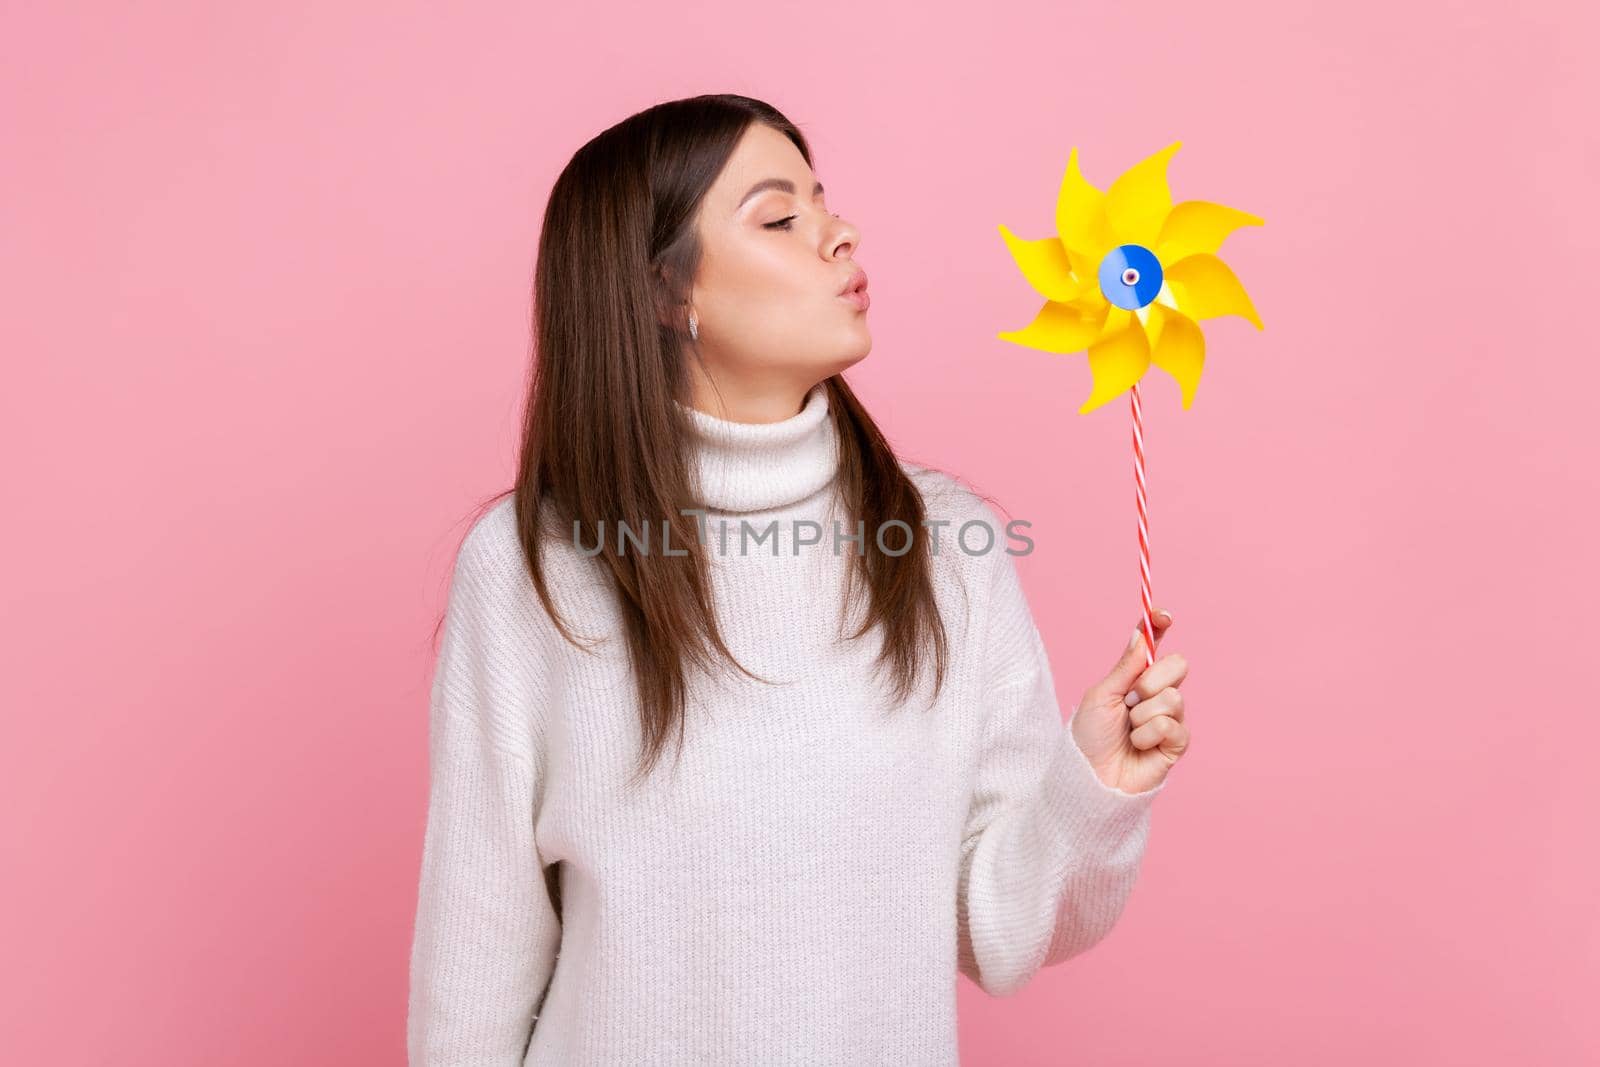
(1096, 814)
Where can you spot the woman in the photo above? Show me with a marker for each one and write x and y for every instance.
(871, 787)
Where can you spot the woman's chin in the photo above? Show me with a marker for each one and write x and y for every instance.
(851, 354)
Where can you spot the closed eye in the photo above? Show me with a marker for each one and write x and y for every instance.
(784, 223)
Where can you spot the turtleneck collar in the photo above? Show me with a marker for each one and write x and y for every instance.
(752, 466)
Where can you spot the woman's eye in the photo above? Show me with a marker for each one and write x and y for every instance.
(783, 223)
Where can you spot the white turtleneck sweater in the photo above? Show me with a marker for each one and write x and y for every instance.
(805, 883)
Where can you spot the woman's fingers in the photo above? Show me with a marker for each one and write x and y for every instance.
(1161, 673)
(1169, 670)
(1168, 734)
(1130, 667)
(1167, 702)
(1162, 619)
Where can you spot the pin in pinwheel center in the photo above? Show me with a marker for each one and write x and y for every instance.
(1130, 276)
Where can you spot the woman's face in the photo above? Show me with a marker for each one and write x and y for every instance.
(766, 299)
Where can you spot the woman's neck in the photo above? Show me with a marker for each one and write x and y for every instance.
(741, 467)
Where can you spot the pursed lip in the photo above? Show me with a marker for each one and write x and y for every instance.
(858, 281)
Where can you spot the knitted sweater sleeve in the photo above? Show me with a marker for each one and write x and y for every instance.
(1050, 852)
(486, 931)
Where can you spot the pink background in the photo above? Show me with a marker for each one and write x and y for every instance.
(267, 278)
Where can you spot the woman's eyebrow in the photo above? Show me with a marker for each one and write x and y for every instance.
(774, 183)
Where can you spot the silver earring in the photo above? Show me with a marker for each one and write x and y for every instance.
(694, 327)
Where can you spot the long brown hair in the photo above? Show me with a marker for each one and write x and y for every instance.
(616, 254)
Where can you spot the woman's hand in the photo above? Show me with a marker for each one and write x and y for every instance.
(1133, 748)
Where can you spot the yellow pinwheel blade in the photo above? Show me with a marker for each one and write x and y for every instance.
(1177, 346)
(1081, 221)
(1059, 329)
(1198, 226)
(1086, 267)
(1116, 320)
(1117, 361)
(1138, 202)
(1044, 263)
(1205, 288)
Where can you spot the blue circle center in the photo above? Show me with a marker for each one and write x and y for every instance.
(1130, 276)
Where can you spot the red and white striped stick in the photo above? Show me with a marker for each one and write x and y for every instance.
(1144, 526)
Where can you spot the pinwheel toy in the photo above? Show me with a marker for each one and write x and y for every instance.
(1128, 276)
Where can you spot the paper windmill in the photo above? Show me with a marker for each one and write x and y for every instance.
(1128, 276)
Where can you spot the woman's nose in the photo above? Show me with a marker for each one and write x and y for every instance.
(846, 241)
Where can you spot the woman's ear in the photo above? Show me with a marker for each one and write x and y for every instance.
(671, 311)
(674, 317)
(662, 289)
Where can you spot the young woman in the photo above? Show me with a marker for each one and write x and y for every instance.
(871, 788)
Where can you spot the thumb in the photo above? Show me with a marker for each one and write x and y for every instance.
(1129, 667)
